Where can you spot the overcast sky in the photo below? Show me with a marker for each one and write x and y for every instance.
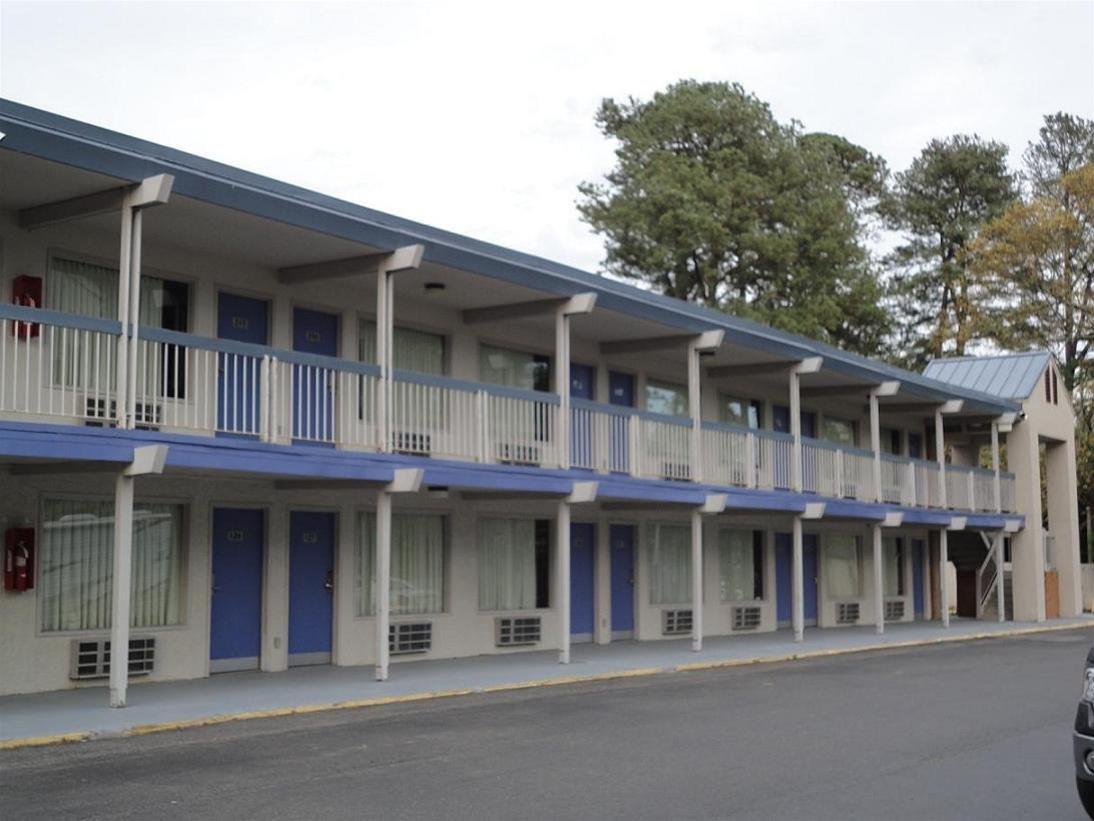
(478, 117)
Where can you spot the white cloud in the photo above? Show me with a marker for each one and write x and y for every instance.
(478, 118)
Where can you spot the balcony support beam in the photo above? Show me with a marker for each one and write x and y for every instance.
(562, 560)
(404, 258)
(154, 190)
(997, 481)
(875, 442)
(879, 580)
(569, 306)
(944, 577)
(810, 365)
(883, 389)
(705, 341)
(797, 582)
(696, 580)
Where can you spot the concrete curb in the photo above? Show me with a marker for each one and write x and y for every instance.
(381, 701)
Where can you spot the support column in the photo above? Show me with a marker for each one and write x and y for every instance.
(562, 384)
(135, 314)
(1000, 593)
(796, 431)
(384, 336)
(940, 454)
(879, 582)
(383, 583)
(122, 589)
(696, 581)
(875, 442)
(997, 487)
(695, 409)
(944, 576)
(797, 582)
(1027, 545)
(602, 633)
(121, 387)
(562, 563)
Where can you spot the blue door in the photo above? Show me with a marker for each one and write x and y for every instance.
(239, 381)
(311, 587)
(783, 577)
(622, 573)
(917, 576)
(313, 332)
(582, 386)
(235, 631)
(621, 394)
(582, 580)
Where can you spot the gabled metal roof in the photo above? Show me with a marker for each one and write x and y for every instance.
(1008, 376)
(81, 145)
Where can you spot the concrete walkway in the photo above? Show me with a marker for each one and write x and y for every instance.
(75, 715)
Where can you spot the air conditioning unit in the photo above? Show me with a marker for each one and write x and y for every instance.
(90, 658)
(409, 442)
(519, 454)
(511, 631)
(746, 618)
(410, 637)
(675, 622)
(894, 610)
(676, 471)
(847, 612)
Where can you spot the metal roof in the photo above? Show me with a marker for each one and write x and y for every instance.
(60, 139)
(1008, 376)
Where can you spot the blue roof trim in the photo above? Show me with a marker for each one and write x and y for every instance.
(60, 139)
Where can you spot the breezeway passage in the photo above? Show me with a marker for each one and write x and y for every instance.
(249, 694)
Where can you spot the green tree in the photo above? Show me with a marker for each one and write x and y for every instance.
(950, 190)
(713, 200)
(1065, 143)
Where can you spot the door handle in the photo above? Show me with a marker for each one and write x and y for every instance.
(329, 583)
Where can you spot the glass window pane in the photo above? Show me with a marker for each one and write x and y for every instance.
(670, 563)
(742, 412)
(514, 369)
(737, 563)
(417, 351)
(417, 564)
(893, 566)
(507, 564)
(839, 430)
(670, 400)
(842, 566)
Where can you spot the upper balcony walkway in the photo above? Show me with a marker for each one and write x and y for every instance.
(57, 367)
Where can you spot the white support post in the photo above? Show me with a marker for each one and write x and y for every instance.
(562, 562)
(797, 582)
(562, 384)
(940, 454)
(879, 582)
(1000, 593)
(123, 573)
(135, 315)
(383, 582)
(696, 581)
(997, 487)
(875, 442)
(121, 385)
(382, 360)
(695, 409)
(944, 576)
(796, 430)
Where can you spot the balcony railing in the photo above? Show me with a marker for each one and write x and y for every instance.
(63, 367)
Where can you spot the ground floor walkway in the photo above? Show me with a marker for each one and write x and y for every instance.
(156, 706)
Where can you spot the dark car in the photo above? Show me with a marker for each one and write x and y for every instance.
(1084, 739)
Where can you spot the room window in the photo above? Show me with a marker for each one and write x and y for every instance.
(745, 413)
(416, 351)
(514, 564)
(77, 565)
(417, 564)
(890, 441)
(741, 565)
(514, 369)
(838, 430)
(893, 558)
(665, 398)
(843, 566)
(670, 563)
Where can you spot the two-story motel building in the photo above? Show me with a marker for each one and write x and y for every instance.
(247, 426)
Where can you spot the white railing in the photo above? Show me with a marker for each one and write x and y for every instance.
(838, 471)
(600, 437)
(970, 488)
(522, 426)
(729, 455)
(56, 365)
(320, 400)
(431, 419)
(897, 480)
(776, 454)
(928, 488)
(662, 445)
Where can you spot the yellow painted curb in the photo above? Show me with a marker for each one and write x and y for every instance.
(380, 701)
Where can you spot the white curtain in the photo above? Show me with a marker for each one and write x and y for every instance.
(670, 400)
(77, 565)
(417, 564)
(892, 556)
(416, 351)
(501, 366)
(737, 565)
(842, 566)
(507, 564)
(670, 563)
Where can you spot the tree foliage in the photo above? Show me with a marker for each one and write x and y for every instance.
(713, 200)
(950, 190)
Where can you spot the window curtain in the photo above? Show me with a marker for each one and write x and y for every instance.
(500, 366)
(841, 567)
(91, 290)
(417, 564)
(77, 565)
(670, 563)
(507, 564)
(415, 351)
(839, 431)
(892, 557)
(737, 565)
(671, 400)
